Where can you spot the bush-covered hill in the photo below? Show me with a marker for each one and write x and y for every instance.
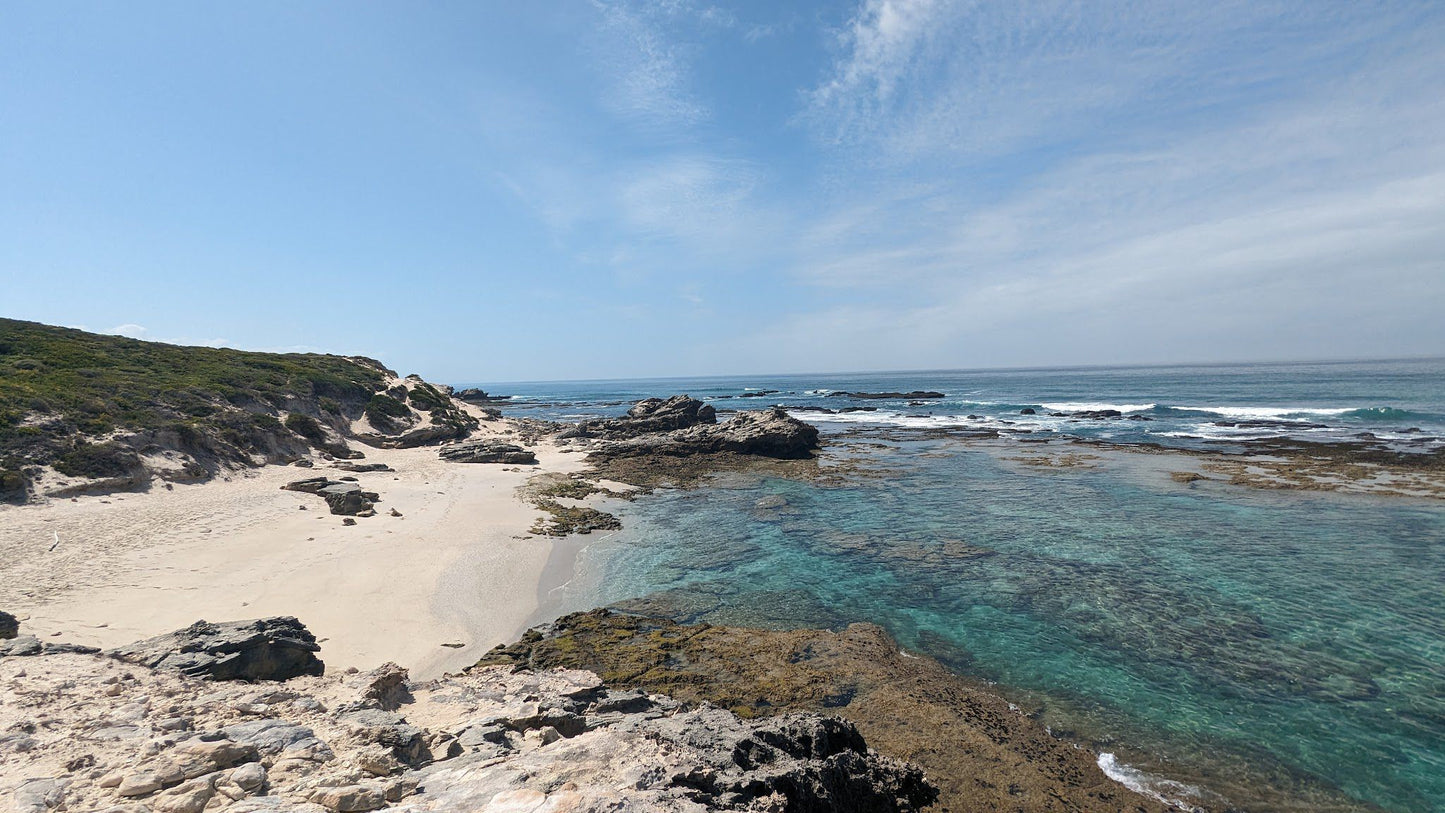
(92, 405)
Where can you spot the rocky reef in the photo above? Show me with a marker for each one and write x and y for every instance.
(131, 739)
(983, 753)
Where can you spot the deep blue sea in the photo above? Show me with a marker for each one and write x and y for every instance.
(1262, 650)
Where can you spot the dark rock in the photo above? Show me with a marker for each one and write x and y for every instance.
(264, 649)
(896, 396)
(858, 409)
(649, 416)
(488, 451)
(345, 499)
(9, 625)
(769, 433)
(364, 467)
(1027, 411)
(472, 395)
(1097, 414)
(25, 645)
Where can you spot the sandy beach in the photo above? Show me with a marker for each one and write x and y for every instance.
(457, 567)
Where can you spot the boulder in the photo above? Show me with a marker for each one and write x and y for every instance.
(487, 451)
(344, 498)
(9, 625)
(264, 649)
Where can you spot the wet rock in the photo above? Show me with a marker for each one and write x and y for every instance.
(264, 649)
(1028, 411)
(488, 451)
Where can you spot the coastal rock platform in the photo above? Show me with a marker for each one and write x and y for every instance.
(132, 740)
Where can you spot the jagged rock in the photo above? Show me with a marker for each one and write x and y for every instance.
(768, 433)
(506, 740)
(264, 649)
(488, 451)
(9, 625)
(647, 416)
(472, 395)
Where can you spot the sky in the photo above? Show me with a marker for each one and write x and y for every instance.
(504, 191)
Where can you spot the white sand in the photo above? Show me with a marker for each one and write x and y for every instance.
(454, 568)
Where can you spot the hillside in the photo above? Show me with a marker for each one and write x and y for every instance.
(113, 412)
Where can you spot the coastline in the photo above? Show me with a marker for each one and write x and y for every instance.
(390, 588)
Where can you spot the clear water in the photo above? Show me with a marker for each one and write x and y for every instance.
(1286, 650)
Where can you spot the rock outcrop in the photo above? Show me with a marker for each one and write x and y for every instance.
(277, 648)
(647, 416)
(130, 739)
(767, 433)
(472, 395)
(488, 451)
(344, 498)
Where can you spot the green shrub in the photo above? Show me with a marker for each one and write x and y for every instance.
(98, 460)
(386, 406)
(426, 398)
(305, 426)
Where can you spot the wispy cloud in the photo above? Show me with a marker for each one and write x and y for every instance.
(647, 71)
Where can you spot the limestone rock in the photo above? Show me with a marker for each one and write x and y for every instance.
(488, 451)
(647, 416)
(264, 649)
(767, 433)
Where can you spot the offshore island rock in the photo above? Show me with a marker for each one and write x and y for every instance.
(488, 451)
(276, 648)
(896, 396)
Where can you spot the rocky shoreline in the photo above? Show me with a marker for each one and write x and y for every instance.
(153, 729)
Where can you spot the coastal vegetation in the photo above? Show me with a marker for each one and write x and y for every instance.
(66, 394)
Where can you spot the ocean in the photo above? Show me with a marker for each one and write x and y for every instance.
(1246, 648)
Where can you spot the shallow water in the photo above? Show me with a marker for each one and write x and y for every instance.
(1283, 649)
(1238, 640)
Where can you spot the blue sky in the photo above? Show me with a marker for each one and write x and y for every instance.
(493, 191)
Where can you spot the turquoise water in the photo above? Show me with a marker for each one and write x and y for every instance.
(1283, 650)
